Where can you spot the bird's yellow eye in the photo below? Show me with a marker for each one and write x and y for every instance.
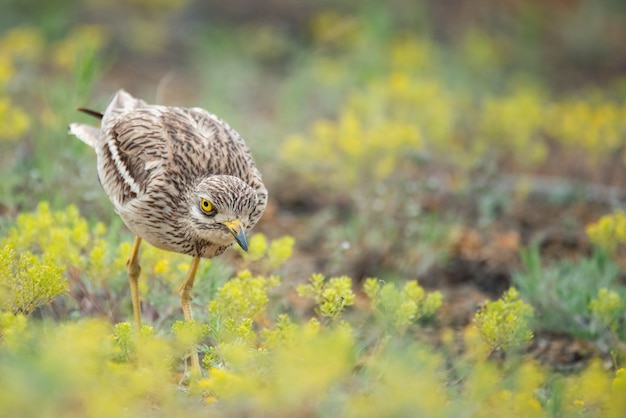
(206, 206)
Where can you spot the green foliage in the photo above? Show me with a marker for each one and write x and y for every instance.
(608, 311)
(397, 309)
(561, 293)
(505, 324)
(285, 331)
(331, 296)
(237, 305)
(608, 308)
(28, 281)
(67, 64)
(125, 339)
(12, 327)
(188, 334)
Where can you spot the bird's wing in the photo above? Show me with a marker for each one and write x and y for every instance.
(134, 149)
(144, 141)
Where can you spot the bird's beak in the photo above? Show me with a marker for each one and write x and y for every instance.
(235, 228)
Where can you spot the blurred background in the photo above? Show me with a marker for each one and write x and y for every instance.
(429, 140)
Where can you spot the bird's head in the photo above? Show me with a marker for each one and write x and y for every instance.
(220, 209)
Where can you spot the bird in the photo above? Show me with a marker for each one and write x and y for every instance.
(180, 178)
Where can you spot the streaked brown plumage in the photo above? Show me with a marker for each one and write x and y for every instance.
(154, 162)
(159, 165)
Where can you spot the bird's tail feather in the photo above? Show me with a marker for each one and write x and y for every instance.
(88, 134)
(121, 103)
(90, 112)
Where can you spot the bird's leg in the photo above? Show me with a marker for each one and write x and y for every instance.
(185, 289)
(133, 269)
(185, 301)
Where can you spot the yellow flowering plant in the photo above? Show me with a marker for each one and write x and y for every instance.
(331, 296)
(397, 309)
(608, 232)
(256, 354)
(505, 324)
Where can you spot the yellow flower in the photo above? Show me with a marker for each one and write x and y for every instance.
(608, 232)
(617, 400)
(7, 69)
(22, 42)
(161, 266)
(590, 389)
(14, 122)
(398, 81)
(410, 53)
